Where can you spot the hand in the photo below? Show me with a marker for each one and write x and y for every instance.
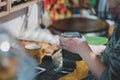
(75, 45)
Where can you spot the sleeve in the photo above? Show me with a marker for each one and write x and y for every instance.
(112, 72)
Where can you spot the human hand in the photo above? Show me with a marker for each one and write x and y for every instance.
(75, 45)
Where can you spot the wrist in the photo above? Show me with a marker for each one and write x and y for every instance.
(87, 55)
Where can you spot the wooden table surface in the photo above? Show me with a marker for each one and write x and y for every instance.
(82, 25)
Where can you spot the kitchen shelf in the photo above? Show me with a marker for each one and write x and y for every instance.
(3, 3)
(4, 7)
(22, 5)
(4, 13)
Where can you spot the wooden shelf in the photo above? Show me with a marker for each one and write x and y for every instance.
(3, 3)
(6, 6)
(4, 13)
(14, 0)
(4, 10)
(23, 5)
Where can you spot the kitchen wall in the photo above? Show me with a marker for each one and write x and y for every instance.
(15, 24)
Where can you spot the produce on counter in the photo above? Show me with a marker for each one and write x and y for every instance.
(45, 50)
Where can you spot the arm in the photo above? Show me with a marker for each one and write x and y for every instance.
(94, 64)
(81, 47)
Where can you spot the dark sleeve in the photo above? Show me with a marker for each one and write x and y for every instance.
(112, 72)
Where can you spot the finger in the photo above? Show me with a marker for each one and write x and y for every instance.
(71, 37)
(60, 47)
(64, 47)
(64, 44)
(62, 35)
(83, 39)
(62, 39)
